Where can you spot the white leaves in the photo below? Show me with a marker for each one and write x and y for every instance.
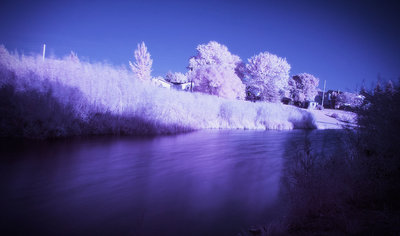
(213, 71)
(268, 72)
(303, 87)
(213, 53)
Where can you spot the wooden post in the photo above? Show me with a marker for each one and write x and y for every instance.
(44, 50)
(323, 94)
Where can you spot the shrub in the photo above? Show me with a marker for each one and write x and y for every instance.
(379, 119)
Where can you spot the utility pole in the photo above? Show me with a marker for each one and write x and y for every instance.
(323, 94)
(44, 50)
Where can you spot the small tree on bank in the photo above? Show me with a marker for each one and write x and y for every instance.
(142, 65)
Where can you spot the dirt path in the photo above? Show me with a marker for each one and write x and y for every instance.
(334, 119)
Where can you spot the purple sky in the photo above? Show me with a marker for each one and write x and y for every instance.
(343, 42)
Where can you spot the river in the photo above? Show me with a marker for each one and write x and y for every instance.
(212, 182)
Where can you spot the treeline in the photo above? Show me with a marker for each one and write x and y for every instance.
(216, 71)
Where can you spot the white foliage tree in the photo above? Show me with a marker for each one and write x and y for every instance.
(213, 71)
(214, 53)
(303, 87)
(349, 99)
(142, 65)
(269, 74)
(219, 81)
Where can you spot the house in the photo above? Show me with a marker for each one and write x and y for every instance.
(160, 82)
(182, 86)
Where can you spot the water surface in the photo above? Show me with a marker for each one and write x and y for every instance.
(202, 183)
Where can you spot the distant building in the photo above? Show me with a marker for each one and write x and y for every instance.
(161, 82)
(182, 86)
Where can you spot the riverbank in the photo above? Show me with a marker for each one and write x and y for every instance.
(334, 119)
(66, 97)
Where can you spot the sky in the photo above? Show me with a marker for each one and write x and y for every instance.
(346, 43)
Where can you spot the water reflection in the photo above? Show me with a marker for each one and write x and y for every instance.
(201, 183)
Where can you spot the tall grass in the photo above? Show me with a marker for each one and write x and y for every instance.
(67, 97)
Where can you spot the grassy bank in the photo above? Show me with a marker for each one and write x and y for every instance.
(68, 97)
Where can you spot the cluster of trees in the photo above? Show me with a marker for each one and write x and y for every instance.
(214, 70)
(349, 100)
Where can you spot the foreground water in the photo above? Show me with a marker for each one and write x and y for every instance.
(202, 183)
